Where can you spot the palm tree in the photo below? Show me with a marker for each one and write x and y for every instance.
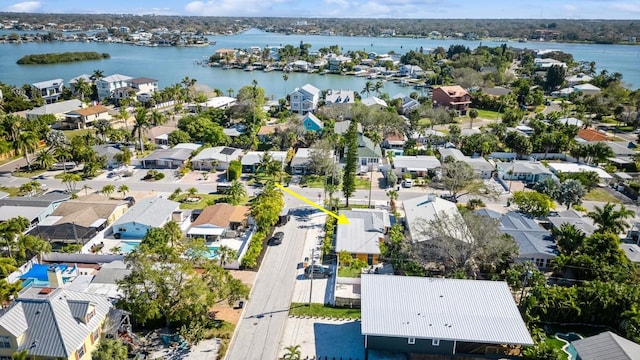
(30, 188)
(226, 255)
(141, 124)
(611, 220)
(378, 86)
(62, 153)
(70, 181)
(116, 250)
(82, 87)
(45, 160)
(10, 229)
(230, 91)
(124, 157)
(368, 87)
(293, 353)
(236, 193)
(107, 190)
(97, 74)
(568, 237)
(174, 231)
(285, 77)
(28, 246)
(192, 191)
(123, 189)
(102, 128)
(86, 188)
(473, 114)
(8, 292)
(123, 115)
(393, 196)
(26, 143)
(157, 118)
(7, 266)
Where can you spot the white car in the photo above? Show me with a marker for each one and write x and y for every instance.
(407, 183)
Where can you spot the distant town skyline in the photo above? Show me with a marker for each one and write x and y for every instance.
(415, 9)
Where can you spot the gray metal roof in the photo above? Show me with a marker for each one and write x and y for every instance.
(429, 207)
(56, 108)
(29, 212)
(341, 127)
(169, 154)
(301, 158)
(366, 148)
(632, 251)
(255, 157)
(52, 329)
(435, 308)
(607, 345)
(153, 212)
(356, 239)
(373, 220)
(572, 217)
(418, 162)
(219, 153)
(453, 152)
(13, 320)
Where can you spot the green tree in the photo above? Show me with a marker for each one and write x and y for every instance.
(123, 189)
(533, 203)
(368, 88)
(26, 143)
(473, 114)
(459, 178)
(234, 170)
(611, 220)
(10, 230)
(124, 156)
(107, 190)
(225, 255)
(571, 192)
(555, 77)
(110, 349)
(20, 355)
(82, 88)
(236, 193)
(8, 291)
(44, 160)
(568, 237)
(266, 207)
(292, 353)
(518, 143)
(70, 181)
(547, 186)
(141, 124)
(351, 161)
(28, 246)
(174, 232)
(7, 266)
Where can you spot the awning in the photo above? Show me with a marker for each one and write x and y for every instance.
(205, 231)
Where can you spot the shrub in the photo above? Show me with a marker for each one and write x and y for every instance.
(475, 204)
(250, 258)
(159, 176)
(235, 170)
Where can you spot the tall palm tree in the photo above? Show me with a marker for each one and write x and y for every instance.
(26, 143)
(70, 181)
(82, 87)
(157, 118)
(123, 189)
(473, 114)
(568, 237)
(28, 246)
(377, 87)
(236, 193)
(97, 74)
(123, 115)
(141, 124)
(611, 220)
(230, 91)
(393, 196)
(226, 255)
(45, 160)
(174, 231)
(285, 77)
(107, 190)
(368, 87)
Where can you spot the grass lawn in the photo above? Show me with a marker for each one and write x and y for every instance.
(598, 194)
(345, 271)
(317, 181)
(205, 200)
(77, 132)
(28, 174)
(424, 122)
(224, 333)
(262, 179)
(303, 309)
(558, 345)
(488, 114)
(12, 191)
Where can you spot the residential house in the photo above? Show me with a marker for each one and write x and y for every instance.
(341, 127)
(545, 63)
(565, 167)
(217, 158)
(33, 208)
(435, 316)
(219, 221)
(107, 86)
(631, 251)
(408, 104)
(606, 345)
(334, 97)
(77, 221)
(146, 214)
(376, 102)
(452, 97)
(53, 323)
(529, 172)
(422, 209)
(496, 91)
(252, 159)
(336, 61)
(413, 71)
(81, 118)
(394, 143)
(267, 132)
(109, 151)
(483, 168)
(588, 135)
(218, 102)
(312, 123)
(586, 89)
(300, 161)
(50, 91)
(144, 88)
(304, 99)
(572, 217)
(369, 154)
(362, 236)
(85, 77)
(299, 66)
(418, 165)
(159, 135)
(58, 109)
(571, 121)
(535, 243)
(573, 80)
(167, 158)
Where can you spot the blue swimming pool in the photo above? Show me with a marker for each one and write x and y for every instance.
(568, 348)
(213, 252)
(128, 246)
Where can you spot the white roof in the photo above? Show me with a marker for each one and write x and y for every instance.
(587, 87)
(301, 157)
(48, 83)
(435, 308)
(310, 89)
(115, 78)
(575, 168)
(190, 146)
(254, 157)
(355, 239)
(206, 230)
(430, 207)
(218, 102)
(220, 153)
(56, 108)
(152, 212)
(419, 162)
(372, 100)
(570, 121)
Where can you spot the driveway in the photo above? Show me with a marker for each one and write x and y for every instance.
(257, 336)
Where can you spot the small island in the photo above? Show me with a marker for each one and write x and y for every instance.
(55, 58)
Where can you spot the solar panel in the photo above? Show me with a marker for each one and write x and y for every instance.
(227, 151)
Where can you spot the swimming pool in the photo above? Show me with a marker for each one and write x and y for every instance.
(213, 252)
(128, 246)
(568, 347)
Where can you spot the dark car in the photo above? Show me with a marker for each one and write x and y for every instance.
(317, 271)
(276, 239)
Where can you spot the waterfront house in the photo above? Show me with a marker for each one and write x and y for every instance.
(418, 165)
(53, 323)
(217, 158)
(312, 123)
(535, 243)
(546, 63)
(586, 89)
(218, 102)
(413, 71)
(108, 85)
(85, 77)
(336, 61)
(407, 105)
(375, 102)
(219, 221)
(167, 158)
(339, 97)
(452, 97)
(252, 159)
(529, 172)
(267, 132)
(434, 316)
(50, 91)
(304, 99)
(146, 214)
(58, 109)
(144, 88)
(81, 118)
(577, 79)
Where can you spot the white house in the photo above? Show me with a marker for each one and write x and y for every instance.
(218, 102)
(81, 118)
(373, 101)
(144, 88)
(304, 99)
(422, 209)
(49, 90)
(108, 85)
(217, 158)
(339, 97)
(415, 165)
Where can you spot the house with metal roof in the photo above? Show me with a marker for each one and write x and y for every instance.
(369, 154)
(422, 209)
(572, 217)
(107, 85)
(53, 323)
(304, 99)
(362, 236)
(535, 243)
(34, 208)
(109, 151)
(300, 162)
(341, 127)
(334, 97)
(417, 165)
(312, 123)
(376, 102)
(167, 158)
(483, 168)
(252, 159)
(529, 172)
(147, 213)
(435, 316)
(158, 135)
(50, 90)
(58, 109)
(217, 158)
(606, 345)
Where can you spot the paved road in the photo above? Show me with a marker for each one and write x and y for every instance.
(258, 334)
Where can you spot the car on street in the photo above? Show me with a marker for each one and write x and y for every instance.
(276, 239)
(317, 271)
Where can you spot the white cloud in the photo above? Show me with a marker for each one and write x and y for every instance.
(231, 7)
(631, 7)
(570, 8)
(26, 6)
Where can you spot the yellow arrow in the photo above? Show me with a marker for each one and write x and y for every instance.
(342, 219)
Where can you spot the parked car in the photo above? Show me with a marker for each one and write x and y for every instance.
(451, 198)
(276, 239)
(317, 271)
(407, 183)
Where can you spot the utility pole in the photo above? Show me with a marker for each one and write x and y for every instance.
(370, 184)
(313, 261)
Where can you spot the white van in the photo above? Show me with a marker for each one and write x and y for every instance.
(407, 183)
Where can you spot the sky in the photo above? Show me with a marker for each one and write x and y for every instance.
(427, 9)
